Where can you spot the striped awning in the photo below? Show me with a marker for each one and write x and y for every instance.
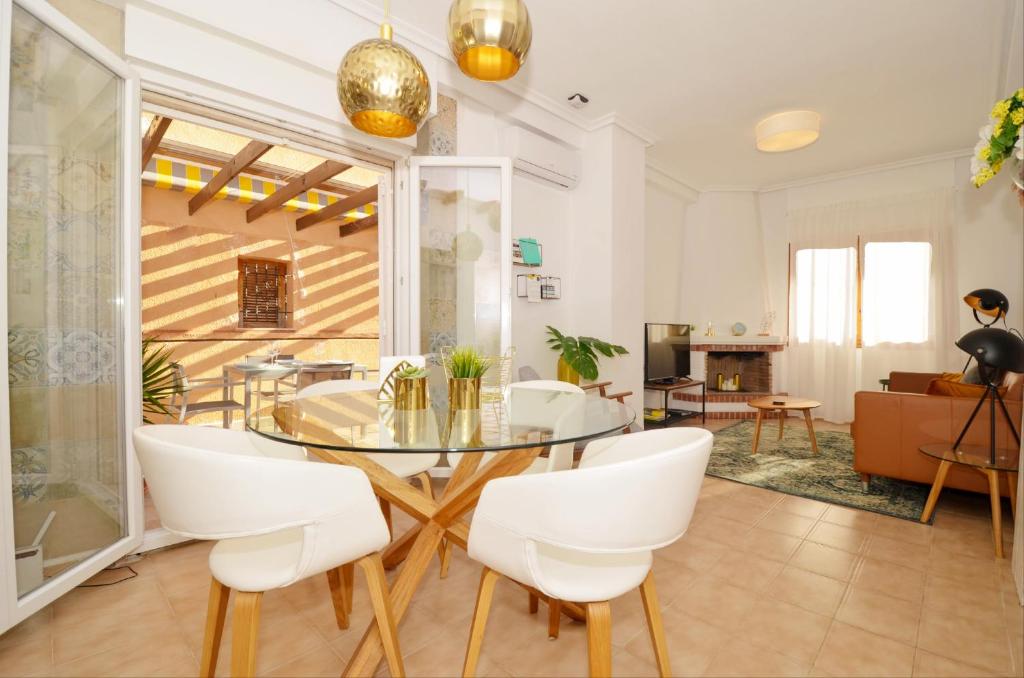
(190, 177)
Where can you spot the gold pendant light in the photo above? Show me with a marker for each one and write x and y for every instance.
(489, 38)
(383, 88)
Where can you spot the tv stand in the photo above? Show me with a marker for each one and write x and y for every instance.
(666, 386)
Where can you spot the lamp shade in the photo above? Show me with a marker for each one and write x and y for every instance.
(994, 348)
(489, 38)
(992, 303)
(383, 88)
(787, 131)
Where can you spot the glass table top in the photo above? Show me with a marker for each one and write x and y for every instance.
(355, 421)
(974, 455)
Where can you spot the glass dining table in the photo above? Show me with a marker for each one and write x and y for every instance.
(499, 439)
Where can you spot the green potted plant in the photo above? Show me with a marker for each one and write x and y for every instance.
(465, 367)
(578, 356)
(159, 378)
(411, 388)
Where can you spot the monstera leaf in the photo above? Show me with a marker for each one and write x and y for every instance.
(581, 353)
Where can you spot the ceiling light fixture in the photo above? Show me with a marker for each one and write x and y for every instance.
(787, 131)
(489, 38)
(383, 88)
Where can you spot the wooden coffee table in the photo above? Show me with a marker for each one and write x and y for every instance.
(783, 404)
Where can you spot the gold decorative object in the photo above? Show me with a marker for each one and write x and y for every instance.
(410, 394)
(383, 88)
(464, 428)
(566, 373)
(386, 392)
(464, 394)
(413, 427)
(489, 38)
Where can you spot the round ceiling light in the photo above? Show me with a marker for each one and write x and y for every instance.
(787, 131)
(489, 38)
(383, 88)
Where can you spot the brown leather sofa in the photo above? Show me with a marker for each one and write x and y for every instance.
(890, 426)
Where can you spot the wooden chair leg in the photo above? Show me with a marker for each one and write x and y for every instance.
(652, 611)
(428, 489)
(534, 603)
(216, 612)
(336, 582)
(488, 578)
(245, 620)
(377, 585)
(554, 618)
(348, 576)
(599, 639)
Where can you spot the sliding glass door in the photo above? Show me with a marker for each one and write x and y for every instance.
(460, 256)
(70, 366)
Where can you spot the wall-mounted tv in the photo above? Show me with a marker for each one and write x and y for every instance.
(666, 352)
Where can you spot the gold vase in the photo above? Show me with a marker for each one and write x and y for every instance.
(411, 394)
(464, 429)
(464, 394)
(566, 373)
(411, 427)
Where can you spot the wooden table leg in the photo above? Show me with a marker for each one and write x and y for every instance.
(933, 496)
(782, 422)
(462, 499)
(810, 430)
(757, 429)
(997, 510)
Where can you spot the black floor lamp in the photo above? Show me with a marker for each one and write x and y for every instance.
(996, 351)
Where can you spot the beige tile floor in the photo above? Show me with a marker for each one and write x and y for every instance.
(763, 584)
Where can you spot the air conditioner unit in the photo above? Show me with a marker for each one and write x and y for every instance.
(542, 158)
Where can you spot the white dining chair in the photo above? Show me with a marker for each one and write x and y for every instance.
(542, 404)
(276, 521)
(588, 535)
(404, 465)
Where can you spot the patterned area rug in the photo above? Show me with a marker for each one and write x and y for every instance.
(789, 466)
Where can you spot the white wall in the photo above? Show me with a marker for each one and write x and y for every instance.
(665, 217)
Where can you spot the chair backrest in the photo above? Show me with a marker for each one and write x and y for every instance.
(527, 373)
(311, 374)
(335, 386)
(495, 382)
(630, 493)
(552, 404)
(212, 483)
(388, 363)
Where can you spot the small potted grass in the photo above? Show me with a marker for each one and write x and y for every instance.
(466, 367)
(411, 388)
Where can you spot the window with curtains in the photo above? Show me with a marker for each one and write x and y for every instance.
(262, 293)
(879, 297)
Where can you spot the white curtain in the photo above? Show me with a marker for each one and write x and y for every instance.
(824, 363)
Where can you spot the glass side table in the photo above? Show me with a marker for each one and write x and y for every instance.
(977, 457)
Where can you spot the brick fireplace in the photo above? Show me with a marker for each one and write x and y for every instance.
(753, 361)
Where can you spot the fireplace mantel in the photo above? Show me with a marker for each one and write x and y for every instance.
(715, 344)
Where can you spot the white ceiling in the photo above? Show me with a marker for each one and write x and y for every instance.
(892, 79)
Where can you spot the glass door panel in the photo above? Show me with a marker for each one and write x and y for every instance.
(69, 505)
(464, 254)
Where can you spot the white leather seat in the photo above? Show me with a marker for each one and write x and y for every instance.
(276, 521)
(336, 386)
(587, 535)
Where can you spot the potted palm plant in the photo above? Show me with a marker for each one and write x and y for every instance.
(579, 356)
(159, 381)
(466, 367)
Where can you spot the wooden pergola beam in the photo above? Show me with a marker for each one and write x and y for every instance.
(356, 226)
(363, 197)
(310, 179)
(245, 157)
(154, 135)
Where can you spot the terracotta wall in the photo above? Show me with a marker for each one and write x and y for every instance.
(189, 284)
